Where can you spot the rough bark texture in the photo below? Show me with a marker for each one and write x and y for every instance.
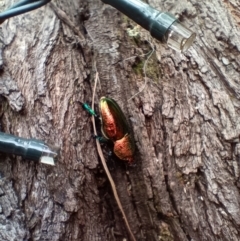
(185, 185)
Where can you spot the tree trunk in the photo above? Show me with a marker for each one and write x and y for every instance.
(185, 181)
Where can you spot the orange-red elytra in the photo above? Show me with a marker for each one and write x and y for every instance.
(115, 128)
(124, 148)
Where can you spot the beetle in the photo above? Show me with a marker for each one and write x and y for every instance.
(114, 127)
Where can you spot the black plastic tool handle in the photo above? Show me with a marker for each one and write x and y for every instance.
(22, 7)
(28, 148)
(156, 22)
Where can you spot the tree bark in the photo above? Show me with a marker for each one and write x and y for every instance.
(185, 182)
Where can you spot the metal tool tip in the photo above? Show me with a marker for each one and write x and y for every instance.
(47, 160)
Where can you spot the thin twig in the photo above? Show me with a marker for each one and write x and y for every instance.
(100, 153)
(134, 56)
(144, 71)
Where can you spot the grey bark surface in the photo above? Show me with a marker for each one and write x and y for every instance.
(185, 184)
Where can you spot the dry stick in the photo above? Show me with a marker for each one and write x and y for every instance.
(144, 71)
(100, 153)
